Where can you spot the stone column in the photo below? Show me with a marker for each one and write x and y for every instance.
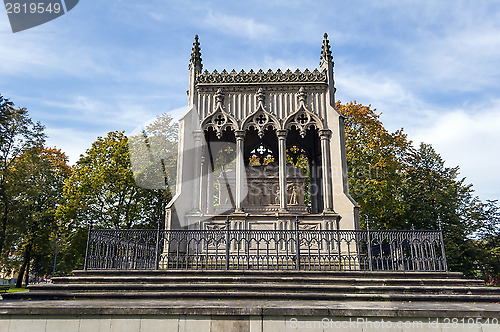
(203, 182)
(210, 188)
(240, 135)
(324, 135)
(282, 168)
(198, 135)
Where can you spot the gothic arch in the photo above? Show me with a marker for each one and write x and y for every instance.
(303, 120)
(260, 120)
(219, 121)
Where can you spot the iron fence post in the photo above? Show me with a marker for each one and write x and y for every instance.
(338, 243)
(157, 249)
(228, 226)
(297, 243)
(441, 238)
(136, 248)
(369, 244)
(85, 267)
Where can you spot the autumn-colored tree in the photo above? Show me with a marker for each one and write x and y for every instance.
(400, 187)
(17, 133)
(36, 184)
(102, 191)
(376, 162)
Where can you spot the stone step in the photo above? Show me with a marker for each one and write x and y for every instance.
(351, 278)
(266, 279)
(279, 285)
(266, 287)
(287, 273)
(249, 295)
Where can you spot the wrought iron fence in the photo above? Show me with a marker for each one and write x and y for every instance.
(297, 249)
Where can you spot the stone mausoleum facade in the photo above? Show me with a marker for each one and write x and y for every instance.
(262, 148)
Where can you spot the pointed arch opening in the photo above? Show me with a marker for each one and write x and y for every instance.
(220, 156)
(303, 152)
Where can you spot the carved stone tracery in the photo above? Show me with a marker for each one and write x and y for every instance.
(303, 120)
(260, 121)
(270, 76)
(219, 121)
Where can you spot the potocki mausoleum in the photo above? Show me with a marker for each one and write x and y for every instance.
(262, 148)
(260, 229)
(261, 183)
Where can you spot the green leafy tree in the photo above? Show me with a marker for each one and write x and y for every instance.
(399, 187)
(153, 155)
(489, 243)
(17, 133)
(102, 190)
(434, 192)
(37, 180)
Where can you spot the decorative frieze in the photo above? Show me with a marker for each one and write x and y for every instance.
(260, 77)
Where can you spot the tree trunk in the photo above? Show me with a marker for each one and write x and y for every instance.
(3, 227)
(27, 273)
(19, 282)
(25, 266)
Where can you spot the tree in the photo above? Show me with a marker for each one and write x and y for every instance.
(102, 191)
(153, 156)
(489, 242)
(37, 180)
(434, 192)
(399, 187)
(376, 162)
(17, 133)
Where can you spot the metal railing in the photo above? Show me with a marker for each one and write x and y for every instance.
(296, 249)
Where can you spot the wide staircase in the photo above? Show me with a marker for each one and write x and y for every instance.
(264, 285)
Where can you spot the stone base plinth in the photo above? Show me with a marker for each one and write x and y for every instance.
(252, 316)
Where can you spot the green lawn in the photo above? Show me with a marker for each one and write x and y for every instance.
(13, 289)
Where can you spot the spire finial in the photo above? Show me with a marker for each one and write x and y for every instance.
(219, 97)
(326, 54)
(302, 95)
(196, 55)
(260, 96)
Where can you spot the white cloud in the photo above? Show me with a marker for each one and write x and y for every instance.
(469, 139)
(462, 61)
(75, 140)
(464, 137)
(238, 26)
(118, 111)
(399, 106)
(71, 141)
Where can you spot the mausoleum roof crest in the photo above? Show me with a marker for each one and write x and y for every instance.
(270, 76)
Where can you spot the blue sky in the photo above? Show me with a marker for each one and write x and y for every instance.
(431, 67)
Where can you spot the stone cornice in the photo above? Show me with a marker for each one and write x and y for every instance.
(261, 77)
(316, 87)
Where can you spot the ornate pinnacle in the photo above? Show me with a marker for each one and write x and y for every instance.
(219, 97)
(260, 96)
(302, 95)
(196, 55)
(326, 54)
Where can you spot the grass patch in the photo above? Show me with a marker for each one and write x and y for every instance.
(13, 289)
